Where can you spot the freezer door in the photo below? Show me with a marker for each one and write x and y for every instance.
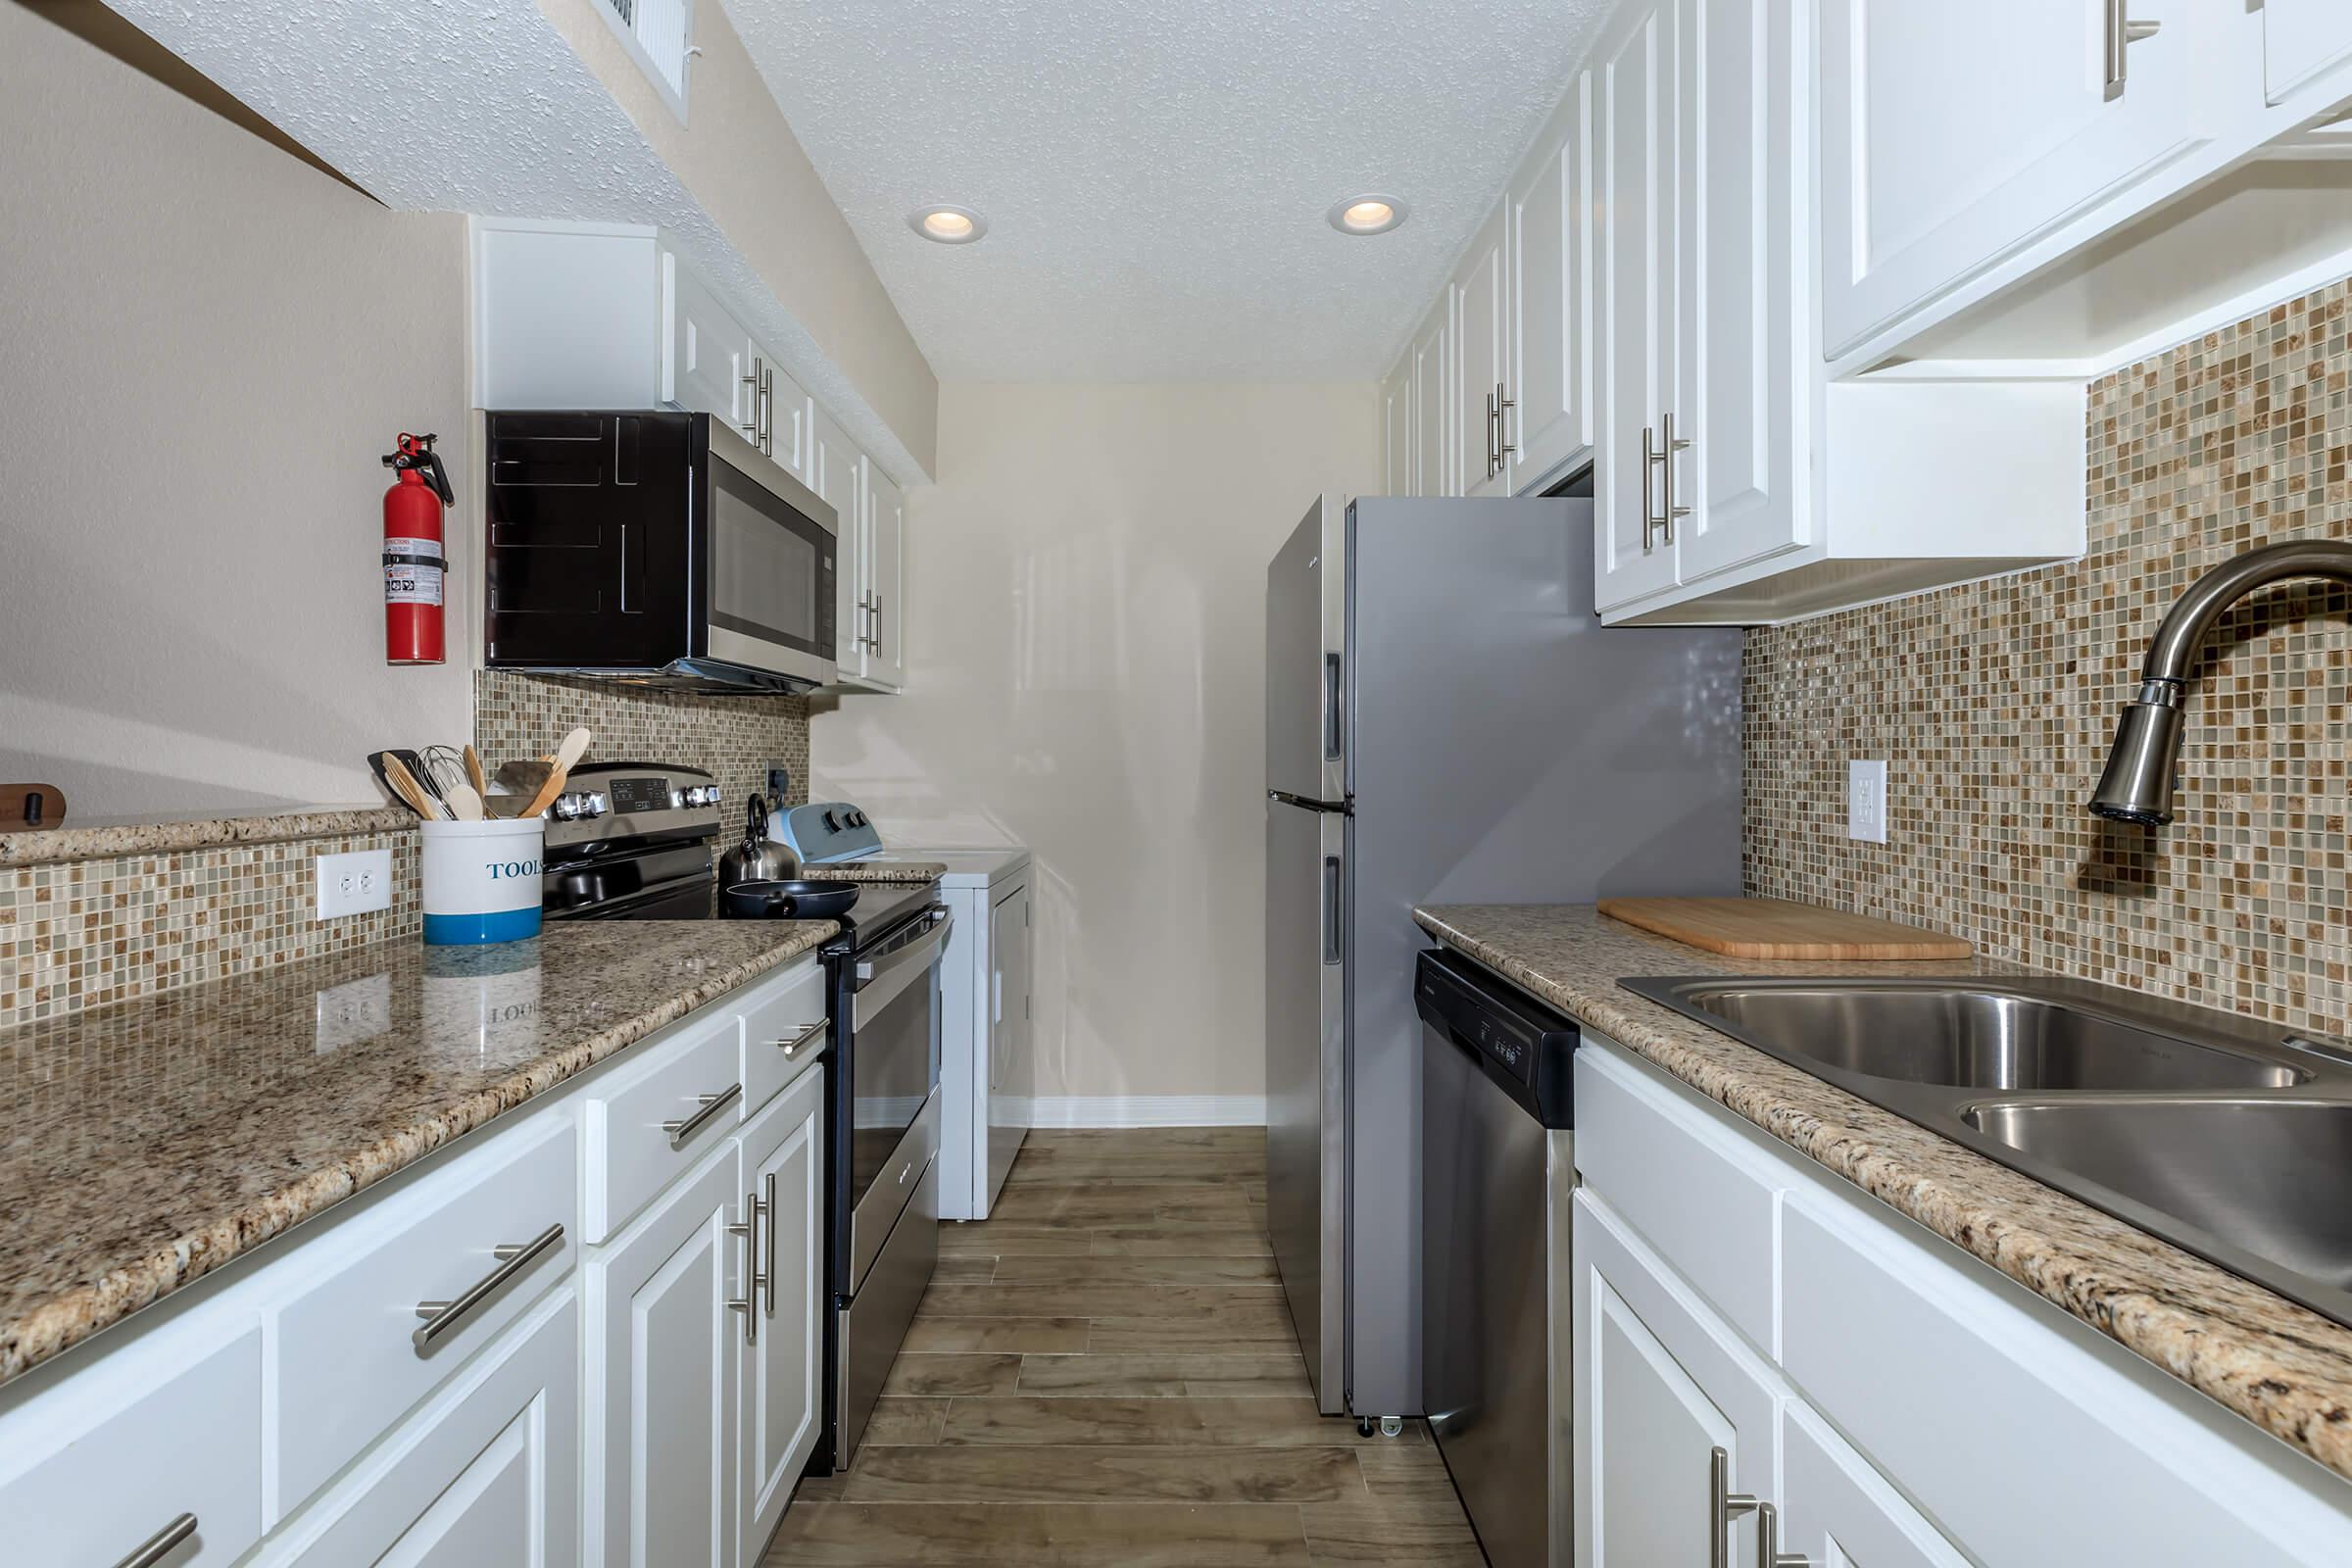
(1306, 658)
(1306, 1088)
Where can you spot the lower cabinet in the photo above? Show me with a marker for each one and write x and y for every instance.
(663, 1324)
(1841, 1511)
(487, 1472)
(1674, 1421)
(783, 1160)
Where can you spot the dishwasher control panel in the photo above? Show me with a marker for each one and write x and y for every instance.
(1524, 1046)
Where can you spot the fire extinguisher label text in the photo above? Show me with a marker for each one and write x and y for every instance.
(422, 548)
(412, 585)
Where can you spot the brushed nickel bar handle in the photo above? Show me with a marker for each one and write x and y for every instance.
(2122, 34)
(440, 1317)
(1724, 1505)
(1494, 419)
(156, 1547)
(712, 1104)
(1504, 446)
(767, 1281)
(1768, 1542)
(1650, 458)
(752, 381)
(749, 1229)
(1673, 444)
(806, 1034)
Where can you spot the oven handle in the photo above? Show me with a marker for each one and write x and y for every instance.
(880, 982)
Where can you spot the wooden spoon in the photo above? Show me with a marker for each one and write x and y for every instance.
(574, 746)
(466, 804)
(473, 772)
(404, 784)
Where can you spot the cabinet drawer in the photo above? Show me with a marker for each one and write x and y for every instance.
(777, 1041)
(633, 1150)
(2018, 1432)
(1682, 1178)
(487, 1472)
(347, 1350)
(180, 1441)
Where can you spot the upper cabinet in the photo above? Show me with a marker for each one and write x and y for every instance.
(2302, 40)
(1397, 428)
(1481, 393)
(1952, 134)
(609, 315)
(1548, 274)
(1433, 370)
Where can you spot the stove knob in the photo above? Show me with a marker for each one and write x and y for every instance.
(857, 820)
(570, 808)
(832, 823)
(598, 804)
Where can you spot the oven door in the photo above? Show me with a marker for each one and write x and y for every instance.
(768, 559)
(894, 1078)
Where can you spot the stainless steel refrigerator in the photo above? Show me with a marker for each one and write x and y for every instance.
(1447, 722)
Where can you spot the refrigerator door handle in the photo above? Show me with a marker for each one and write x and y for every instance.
(1335, 740)
(1331, 910)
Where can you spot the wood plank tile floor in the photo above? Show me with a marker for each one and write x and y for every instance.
(1103, 1376)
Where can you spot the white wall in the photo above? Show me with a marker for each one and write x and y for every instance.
(1086, 650)
(205, 345)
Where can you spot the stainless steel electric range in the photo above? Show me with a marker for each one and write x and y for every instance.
(634, 841)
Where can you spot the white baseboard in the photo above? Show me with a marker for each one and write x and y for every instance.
(1148, 1110)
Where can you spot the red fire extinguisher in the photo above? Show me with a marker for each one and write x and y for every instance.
(413, 554)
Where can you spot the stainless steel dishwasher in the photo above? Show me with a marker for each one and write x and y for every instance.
(1498, 1151)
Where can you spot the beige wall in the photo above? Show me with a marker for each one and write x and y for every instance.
(1086, 633)
(206, 344)
(738, 158)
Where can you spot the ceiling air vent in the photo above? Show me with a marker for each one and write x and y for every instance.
(660, 36)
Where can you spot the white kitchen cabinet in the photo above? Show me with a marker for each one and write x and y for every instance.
(987, 1073)
(790, 417)
(1549, 277)
(1951, 135)
(1397, 428)
(709, 365)
(487, 1471)
(1633, 81)
(882, 550)
(1676, 1422)
(663, 1377)
(782, 1156)
(1433, 358)
(1838, 1510)
(837, 472)
(1482, 361)
(1743, 383)
(2300, 39)
(157, 1435)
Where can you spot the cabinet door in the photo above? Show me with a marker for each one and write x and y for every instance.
(1397, 428)
(1551, 277)
(1433, 401)
(1952, 134)
(783, 1389)
(1739, 388)
(487, 1472)
(2300, 39)
(1660, 1386)
(836, 465)
(1011, 1049)
(1841, 1511)
(1632, 84)
(789, 416)
(884, 552)
(663, 1380)
(1483, 321)
(707, 365)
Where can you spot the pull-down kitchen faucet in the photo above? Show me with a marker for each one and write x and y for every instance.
(2138, 786)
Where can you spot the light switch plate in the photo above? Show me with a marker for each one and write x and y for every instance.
(1866, 801)
(354, 883)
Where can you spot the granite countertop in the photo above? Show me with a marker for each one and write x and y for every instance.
(144, 1145)
(93, 838)
(2281, 1366)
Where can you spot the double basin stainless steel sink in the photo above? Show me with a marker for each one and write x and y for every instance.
(2226, 1137)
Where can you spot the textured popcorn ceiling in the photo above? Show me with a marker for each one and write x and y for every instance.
(477, 106)
(1156, 172)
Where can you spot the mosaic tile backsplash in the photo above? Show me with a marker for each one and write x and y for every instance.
(732, 738)
(86, 932)
(1993, 704)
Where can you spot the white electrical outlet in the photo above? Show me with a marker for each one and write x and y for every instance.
(1866, 801)
(354, 883)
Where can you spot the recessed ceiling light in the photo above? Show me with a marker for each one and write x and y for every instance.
(1369, 213)
(946, 224)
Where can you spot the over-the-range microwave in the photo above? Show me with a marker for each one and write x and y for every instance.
(653, 548)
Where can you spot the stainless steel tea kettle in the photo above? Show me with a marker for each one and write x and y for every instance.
(758, 857)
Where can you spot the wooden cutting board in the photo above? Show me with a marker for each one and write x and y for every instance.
(1776, 928)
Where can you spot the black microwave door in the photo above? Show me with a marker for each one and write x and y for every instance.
(588, 552)
(768, 560)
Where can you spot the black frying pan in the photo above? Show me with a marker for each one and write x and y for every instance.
(787, 901)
